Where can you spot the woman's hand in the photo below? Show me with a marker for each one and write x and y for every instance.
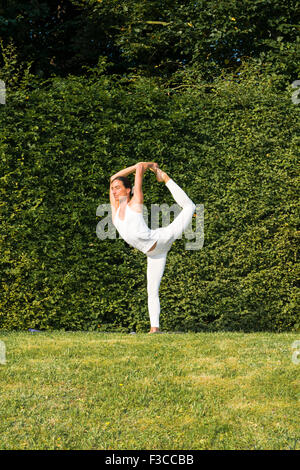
(154, 167)
(146, 165)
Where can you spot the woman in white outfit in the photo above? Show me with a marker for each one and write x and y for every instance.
(127, 216)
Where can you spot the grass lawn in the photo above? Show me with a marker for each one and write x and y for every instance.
(80, 390)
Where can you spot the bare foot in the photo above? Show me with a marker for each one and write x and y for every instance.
(160, 175)
(154, 329)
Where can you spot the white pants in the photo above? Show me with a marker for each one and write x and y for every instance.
(156, 259)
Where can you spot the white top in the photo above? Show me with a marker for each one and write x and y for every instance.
(134, 231)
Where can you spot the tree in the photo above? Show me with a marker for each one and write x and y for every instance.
(153, 37)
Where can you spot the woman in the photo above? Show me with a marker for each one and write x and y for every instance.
(127, 217)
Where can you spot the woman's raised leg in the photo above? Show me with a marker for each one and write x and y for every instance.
(181, 222)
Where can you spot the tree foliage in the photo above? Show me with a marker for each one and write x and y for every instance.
(152, 37)
(202, 88)
(233, 150)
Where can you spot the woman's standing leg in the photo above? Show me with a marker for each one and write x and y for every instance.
(155, 269)
(156, 263)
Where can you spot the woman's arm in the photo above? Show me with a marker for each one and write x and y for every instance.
(124, 172)
(132, 168)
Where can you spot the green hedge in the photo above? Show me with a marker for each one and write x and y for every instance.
(231, 145)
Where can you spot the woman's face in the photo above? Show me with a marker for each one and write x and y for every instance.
(119, 191)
